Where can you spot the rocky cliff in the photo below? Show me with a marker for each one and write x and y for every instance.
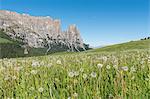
(40, 32)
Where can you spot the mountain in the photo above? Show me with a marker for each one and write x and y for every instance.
(40, 32)
(132, 45)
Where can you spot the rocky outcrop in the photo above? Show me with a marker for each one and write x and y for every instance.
(40, 32)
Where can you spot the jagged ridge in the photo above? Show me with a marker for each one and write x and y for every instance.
(40, 32)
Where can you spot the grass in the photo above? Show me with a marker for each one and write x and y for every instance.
(141, 44)
(4, 41)
(96, 74)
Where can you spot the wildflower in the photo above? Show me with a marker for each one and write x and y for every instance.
(93, 74)
(42, 63)
(81, 69)
(18, 68)
(124, 68)
(76, 73)
(84, 76)
(108, 67)
(99, 65)
(49, 65)
(115, 66)
(6, 78)
(104, 58)
(75, 95)
(110, 96)
(147, 79)
(58, 62)
(14, 77)
(69, 98)
(34, 72)
(71, 74)
(133, 69)
(133, 77)
(31, 88)
(27, 74)
(35, 63)
(40, 89)
(142, 62)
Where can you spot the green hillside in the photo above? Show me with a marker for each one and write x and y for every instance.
(3, 40)
(141, 44)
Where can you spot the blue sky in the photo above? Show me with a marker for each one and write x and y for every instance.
(101, 22)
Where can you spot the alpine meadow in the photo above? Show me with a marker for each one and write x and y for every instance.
(104, 55)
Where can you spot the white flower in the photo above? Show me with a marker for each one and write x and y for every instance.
(7, 78)
(81, 70)
(142, 62)
(99, 65)
(84, 76)
(133, 77)
(69, 98)
(27, 74)
(93, 74)
(14, 77)
(108, 67)
(124, 68)
(71, 74)
(133, 69)
(76, 73)
(58, 62)
(40, 89)
(34, 72)
(115, 66)
(31, 88)
(49, 65)
(75, 95)
(35, 63)
(42, 63)
(104, 58)
(18, 68)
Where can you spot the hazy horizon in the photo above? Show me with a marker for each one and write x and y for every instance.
(101, 22)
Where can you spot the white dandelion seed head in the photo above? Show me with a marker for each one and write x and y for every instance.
(133, 69)
(34, 72)
(124, 68)
(85, 76)
(27, 74)
(35, 64)
(31, 88)
(18, 68)
(99, 65)
(81, 70)
(6, 78)
(49, 65)
(75, 94)
(41, 89)
(108, 67)
(71, 74)
(142, 62)
(115, 66)
(69, 98)
(76, 73)
(133, 77)
(58, 62)
(14, 77)
(93, 74)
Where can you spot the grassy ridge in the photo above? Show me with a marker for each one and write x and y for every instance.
(141, 44)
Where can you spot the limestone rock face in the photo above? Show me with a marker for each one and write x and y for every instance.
(39, 32)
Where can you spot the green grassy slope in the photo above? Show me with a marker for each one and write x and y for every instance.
(141, 44)
(10, 48)
(3, 40)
